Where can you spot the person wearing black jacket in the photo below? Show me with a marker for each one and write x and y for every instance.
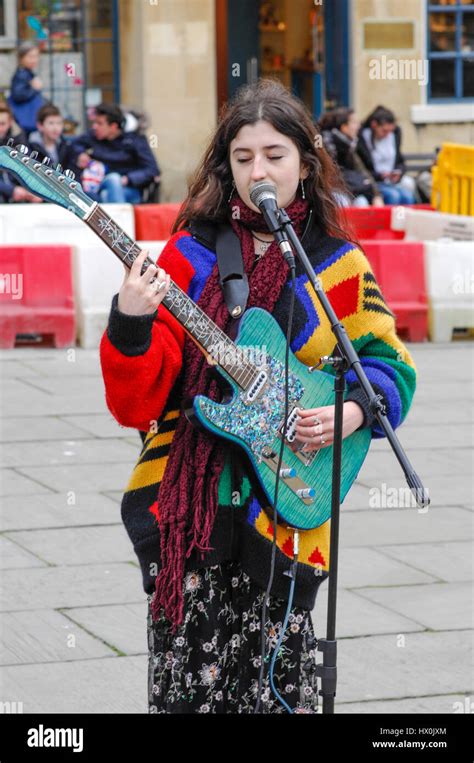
(339, 130)
(129, 162)
(379, 147)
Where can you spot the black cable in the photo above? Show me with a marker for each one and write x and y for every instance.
(272, 567)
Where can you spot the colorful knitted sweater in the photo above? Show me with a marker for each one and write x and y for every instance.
(142, 366)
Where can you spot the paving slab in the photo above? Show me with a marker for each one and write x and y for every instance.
(436, 462)
(49, 636)
(13, 556)
(102, 685)
(449, 562)
(19, 512)
(358, 617)
(71, 586)
(437, 606)
(13, 482)
(392, 526)
(434, 436)
(443, 491)
(37, 403)
(404, 665)
(21, 429)
(77, 545)
(81, 451)
(92, 477)
(364, 566)
(123, 626)
(100, 426)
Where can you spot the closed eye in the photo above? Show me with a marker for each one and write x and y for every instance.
(242, 161)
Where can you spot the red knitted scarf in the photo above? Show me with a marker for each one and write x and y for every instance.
(188, 490)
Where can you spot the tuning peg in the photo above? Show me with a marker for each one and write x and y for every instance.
(70, 174)
(10, 141)
(46, 160)
(59, 168)
(22, 148)
(33, 155)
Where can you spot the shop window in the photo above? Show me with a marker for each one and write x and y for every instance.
(79, 52)
(451, 50)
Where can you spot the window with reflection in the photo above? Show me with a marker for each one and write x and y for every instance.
(79, 52)
(451, 50)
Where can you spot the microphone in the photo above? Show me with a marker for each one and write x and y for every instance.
(264, 195)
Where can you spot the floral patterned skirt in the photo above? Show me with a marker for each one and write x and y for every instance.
(212, 663)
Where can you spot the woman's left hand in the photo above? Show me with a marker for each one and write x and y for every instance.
(320, 435)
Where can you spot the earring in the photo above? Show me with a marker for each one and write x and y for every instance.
(303, 195)
(231, 192)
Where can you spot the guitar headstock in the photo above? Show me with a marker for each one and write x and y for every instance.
(51, 183)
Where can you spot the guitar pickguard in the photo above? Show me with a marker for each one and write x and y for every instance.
(257, 423)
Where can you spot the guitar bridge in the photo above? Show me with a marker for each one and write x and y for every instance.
(307, 457)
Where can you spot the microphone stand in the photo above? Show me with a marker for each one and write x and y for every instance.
(346, 358)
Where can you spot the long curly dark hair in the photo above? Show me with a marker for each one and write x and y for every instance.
(268, 100)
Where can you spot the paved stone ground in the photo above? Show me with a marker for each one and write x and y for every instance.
(73, 612)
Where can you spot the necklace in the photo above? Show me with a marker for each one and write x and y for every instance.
(262, 247)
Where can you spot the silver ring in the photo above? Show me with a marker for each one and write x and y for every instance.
(322, 440)
(159, 285)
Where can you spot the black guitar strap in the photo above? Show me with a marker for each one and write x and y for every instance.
(233, 279)
(235, 285)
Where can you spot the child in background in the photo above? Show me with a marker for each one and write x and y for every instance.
(25, 97)
(48, 139)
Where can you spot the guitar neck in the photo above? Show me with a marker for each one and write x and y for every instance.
(211, 340)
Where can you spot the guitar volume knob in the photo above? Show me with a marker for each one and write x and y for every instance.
(306, 492)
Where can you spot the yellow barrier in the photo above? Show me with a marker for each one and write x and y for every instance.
(453, 180)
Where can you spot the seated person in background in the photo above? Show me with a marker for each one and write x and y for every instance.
(339, 129)
(128, 160)
(10, 188)
(379, 148)
(48, 140)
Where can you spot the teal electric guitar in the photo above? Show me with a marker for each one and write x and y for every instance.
(253, 416)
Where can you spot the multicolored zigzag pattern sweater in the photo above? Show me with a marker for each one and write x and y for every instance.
(142, 365)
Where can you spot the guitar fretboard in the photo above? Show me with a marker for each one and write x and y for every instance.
(209, 337)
